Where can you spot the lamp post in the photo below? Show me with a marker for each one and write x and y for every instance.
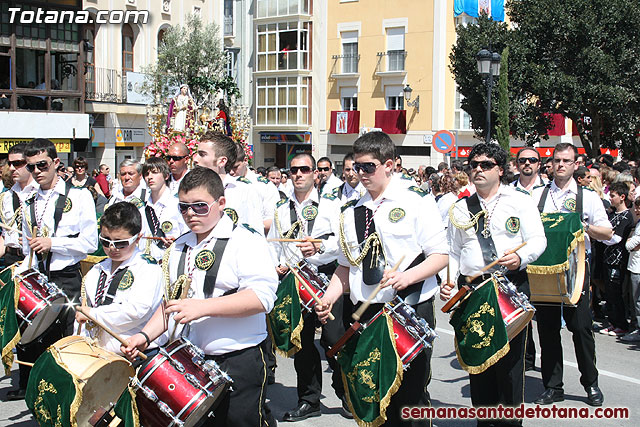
(488, 67)
(407, 96)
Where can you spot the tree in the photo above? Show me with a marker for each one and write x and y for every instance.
(190, 54)
(502, 125)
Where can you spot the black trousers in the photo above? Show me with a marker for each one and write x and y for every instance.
(413, 390)
(245, 405)
(616, 310)
(70, 282)
(579, 322)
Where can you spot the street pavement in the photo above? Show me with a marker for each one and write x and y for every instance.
(617, 362)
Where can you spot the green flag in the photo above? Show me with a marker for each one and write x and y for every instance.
(126, 408)
(53, 395)
(285, 320)
(565, 231)
(481, 335)
(371, 371)
(9, 330)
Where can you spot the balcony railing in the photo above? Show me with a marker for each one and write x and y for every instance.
(228, 25)
(345, 64)
(391, 60)
(106, 85)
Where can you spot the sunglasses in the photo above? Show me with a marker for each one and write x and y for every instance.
(17, 163)
(367, 167)
(118, 244)
(485, 165)
(175, 158)
(42, 166)
(532, 160)
(327, 169)
(565, 161)
(198, 208)
(304, 169)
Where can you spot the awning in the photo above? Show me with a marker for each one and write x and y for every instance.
(28, 125)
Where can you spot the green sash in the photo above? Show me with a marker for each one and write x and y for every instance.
(285, 320)
(481, 336)
(371, 371)
(126, 408)
(9, 331)
(563, 231)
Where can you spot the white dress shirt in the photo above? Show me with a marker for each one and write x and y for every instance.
(634, 256)
(332, 182)
(11, 238)
(592, 208)
(80, 220)
(538, 183)
(419, 229)
(350, 193)
(174, 185)
(132, 307)
(508, 205)
(243, 198)
(245, 265)
(169, 219)
(118, 196)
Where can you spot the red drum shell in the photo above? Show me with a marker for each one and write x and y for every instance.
(516, 315)
(38, 306)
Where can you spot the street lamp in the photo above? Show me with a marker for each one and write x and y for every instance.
(407, 96)
(488, 66)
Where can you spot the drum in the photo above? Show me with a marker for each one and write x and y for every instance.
(318, 282)
(515, 308)
(39, 304)
(557, 276)
(411, 332)
(178, 387)
(102, 376)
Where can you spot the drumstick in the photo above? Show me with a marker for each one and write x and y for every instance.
(470, 279)
(462, 293)
(6, 227)
(308, 289)
(152, 238)
(20, 362)
(356, 316)
(107, 330)
(295, 240)
(34, 230)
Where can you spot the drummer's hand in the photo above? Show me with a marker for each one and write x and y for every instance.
(40, 244)
(187, 309)
(167, 240)
(81, 318)
(446, 290)
(323, 310)
(398, 280)
(307, 248)
(282, 269)
(136, 344)
(511, 261)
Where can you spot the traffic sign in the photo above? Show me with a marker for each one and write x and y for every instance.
(444, 141)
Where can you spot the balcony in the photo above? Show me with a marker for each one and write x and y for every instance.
(345, 122)
(105, 85)
(392, 121)
(391, 63)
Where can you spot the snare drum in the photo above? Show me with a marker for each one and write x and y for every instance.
(39, 304)
(178, 387)
(515, 307)
(411, 332)
(318, 282)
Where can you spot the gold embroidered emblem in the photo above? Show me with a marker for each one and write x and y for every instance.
(396, 214)
(67, 205)
(205, 259)
(513, 224)
(310, 212)
(126, 281)
(232, 214)
(167, 226)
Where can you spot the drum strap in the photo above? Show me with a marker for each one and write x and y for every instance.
(489, 252)
(545, 193)
(154, 225)
(411, 294)
(370, 275)
(16, 201)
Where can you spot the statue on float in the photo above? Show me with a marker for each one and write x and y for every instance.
(182, 111)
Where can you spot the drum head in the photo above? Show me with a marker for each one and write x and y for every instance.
(519, 322)
(43, 320)
(103, 388)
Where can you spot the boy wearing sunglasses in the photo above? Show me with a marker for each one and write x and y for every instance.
(124, 290)
(232, 286)
(528, 164)
(390, 221)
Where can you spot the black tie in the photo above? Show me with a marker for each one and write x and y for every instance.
(154, 224)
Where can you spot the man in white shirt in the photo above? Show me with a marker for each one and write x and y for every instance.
(232, 286)
(217, 152)
(351, 188)
(132, 189)
(178, 159)
(564, 195)
(528, 163)
(327, 181)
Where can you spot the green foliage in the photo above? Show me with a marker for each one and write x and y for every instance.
(502, 125)
(190, 54)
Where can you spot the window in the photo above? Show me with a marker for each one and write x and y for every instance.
(395, 97)
(395, 49)
(282, 100)
(161, 35)
(271, 8)
(232, 63)
(349, 98)
(228, 17)
(283, 46)
(350, 52)
(462, 119)
(127, 48)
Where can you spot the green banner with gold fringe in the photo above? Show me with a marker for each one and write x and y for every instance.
(481, 335)
(9, 330)
(563, 231)
(371, 371)
(126, 408)
(53, 396)
(285, 320)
